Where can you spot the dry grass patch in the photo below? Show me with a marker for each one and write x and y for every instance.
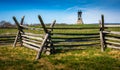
(115, 53)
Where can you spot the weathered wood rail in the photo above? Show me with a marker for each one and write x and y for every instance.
(109, 38)
(39, 42)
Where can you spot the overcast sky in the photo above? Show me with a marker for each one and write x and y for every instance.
(64, 11)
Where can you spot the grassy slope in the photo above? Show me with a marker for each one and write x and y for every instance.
(21, 58)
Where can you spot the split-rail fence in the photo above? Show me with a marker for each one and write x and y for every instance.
(47, 39)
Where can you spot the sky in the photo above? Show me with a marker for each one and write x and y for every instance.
(63, 11)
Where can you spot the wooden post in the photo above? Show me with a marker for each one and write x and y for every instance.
(52, 25)
(19, 31)
(42, 46)
(42, 23)
(46, 37)
(15, 42)
(51, 43)
(102, 17)
(49, 46)
(22, 20)
(101, 33)
(17, 23)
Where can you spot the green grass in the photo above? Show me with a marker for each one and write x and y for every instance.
(7, 31)
(89, 58)
(113, 29)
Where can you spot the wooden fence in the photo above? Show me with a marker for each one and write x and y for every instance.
(109, 38)
(38, 42)
(47, 39)
(69, 37)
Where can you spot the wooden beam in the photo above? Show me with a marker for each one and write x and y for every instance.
(102, 17)
(17, 23)
(31, 43)
(112, 32)
(52, 25)
(34, 41)
(42, 46)
(42, 23)
(112, 25)
(20, 30)
(16, 39)
(115, 43)
(22, 20)
(51, 48)
(101, 33)
(114, 47)
(31, 47)
(31, 37)
(110, 38)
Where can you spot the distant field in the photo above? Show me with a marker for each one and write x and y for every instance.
(87, 57)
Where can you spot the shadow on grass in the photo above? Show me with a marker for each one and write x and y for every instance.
(75, 47)
(18, 64)
(58, 51)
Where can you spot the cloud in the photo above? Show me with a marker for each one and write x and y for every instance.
(75, 8)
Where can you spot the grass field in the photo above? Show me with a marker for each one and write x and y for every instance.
(90, 58)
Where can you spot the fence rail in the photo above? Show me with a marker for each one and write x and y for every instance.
(111, 32)
(111, 25)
